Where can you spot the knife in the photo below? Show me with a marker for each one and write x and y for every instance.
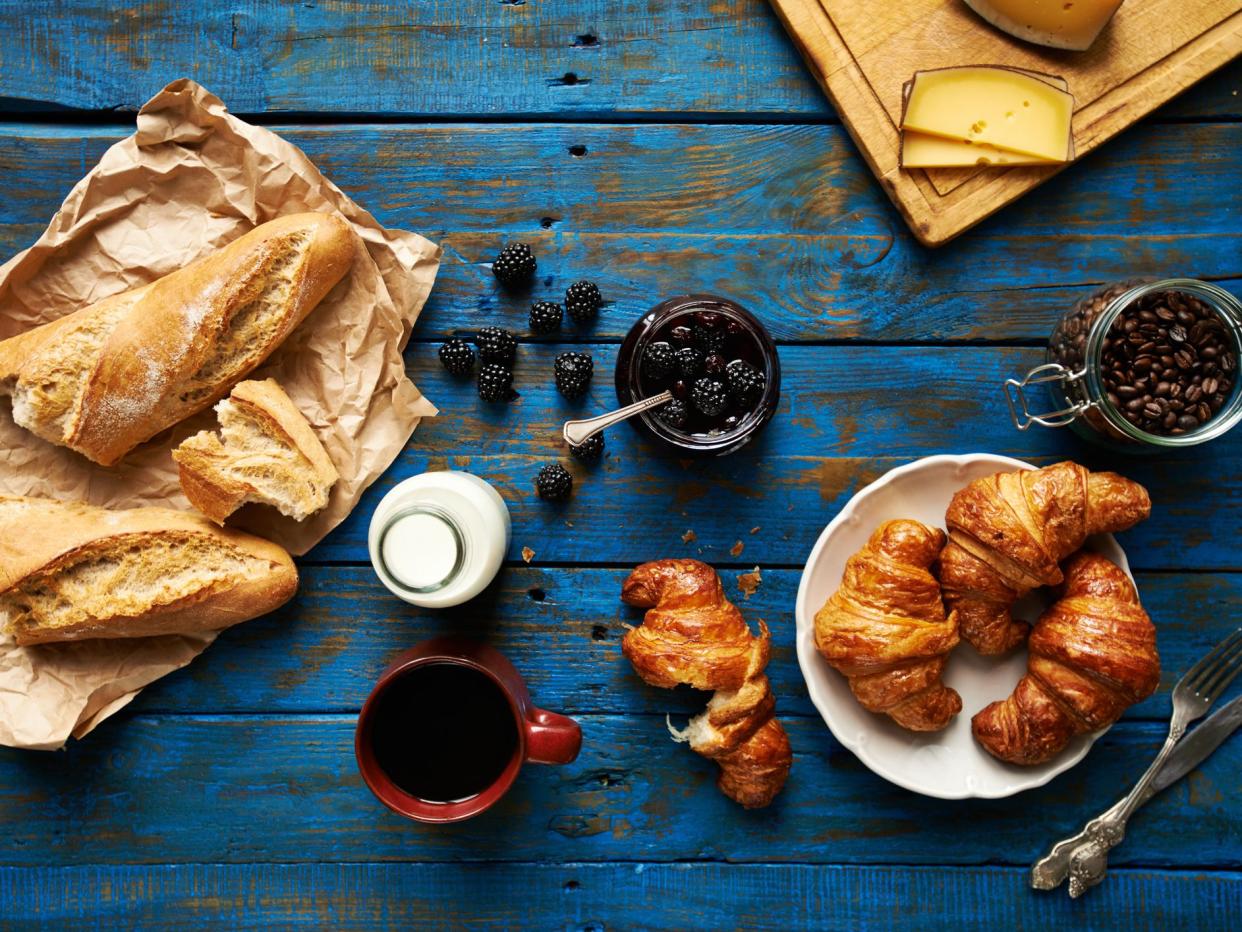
(1199, 745)
(1051, 870)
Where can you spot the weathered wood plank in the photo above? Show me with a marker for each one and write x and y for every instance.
(503, 59)
(603, 896)
(562, 629)
(785, 219)
(155, 789)
(847, 414)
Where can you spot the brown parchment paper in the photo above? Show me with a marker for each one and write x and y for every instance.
(191, 179)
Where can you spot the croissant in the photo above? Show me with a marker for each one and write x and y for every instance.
(886, 629)
(1092, 656)
(1009, 532)
(692, 635)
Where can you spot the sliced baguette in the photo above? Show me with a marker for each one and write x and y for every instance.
(112, 375)
(266, 452)
(70, 571)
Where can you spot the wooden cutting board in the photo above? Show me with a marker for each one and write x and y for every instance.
(862, 51)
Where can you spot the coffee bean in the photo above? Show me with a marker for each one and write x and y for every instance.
(1165, 362)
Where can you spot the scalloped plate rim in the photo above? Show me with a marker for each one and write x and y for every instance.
(814, 669)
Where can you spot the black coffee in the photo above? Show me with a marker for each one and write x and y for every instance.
(443, 732)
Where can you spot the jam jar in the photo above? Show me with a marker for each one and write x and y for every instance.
(1141, 366)
(693, 345)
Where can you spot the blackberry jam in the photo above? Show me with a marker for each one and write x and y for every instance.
(717, 360)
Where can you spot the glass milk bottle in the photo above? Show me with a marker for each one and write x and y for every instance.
(437, 539)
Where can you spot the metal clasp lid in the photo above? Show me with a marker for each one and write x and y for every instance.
(1019, 409)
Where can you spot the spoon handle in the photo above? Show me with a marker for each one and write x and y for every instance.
(577, 432)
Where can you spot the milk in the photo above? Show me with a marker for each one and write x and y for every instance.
(437, 540)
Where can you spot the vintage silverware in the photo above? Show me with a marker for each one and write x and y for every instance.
(576, 432)
(1084, 857)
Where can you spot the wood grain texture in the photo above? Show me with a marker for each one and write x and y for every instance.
(594, 897)
(562, 627)
(161, 789)
(463, 57)
(861, 55)
(847, 415)
(784, 219)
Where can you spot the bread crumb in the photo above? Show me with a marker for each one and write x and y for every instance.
(527, 554)
(756, 529)
(747, 583)
(736, 549)
(689, 537)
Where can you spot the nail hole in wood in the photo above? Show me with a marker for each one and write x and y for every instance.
(577, 151)
(536, 594)
(599, 633)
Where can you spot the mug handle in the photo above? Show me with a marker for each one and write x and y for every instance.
(551, 738)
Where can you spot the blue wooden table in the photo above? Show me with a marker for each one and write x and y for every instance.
(654, 146)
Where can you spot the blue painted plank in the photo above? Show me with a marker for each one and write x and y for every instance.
(277, 788)
(481, 57)
(562, 628)
(847, 414)
(603, 896)
(786, 220)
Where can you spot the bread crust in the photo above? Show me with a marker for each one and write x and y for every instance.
(141, 378)
(39, 537)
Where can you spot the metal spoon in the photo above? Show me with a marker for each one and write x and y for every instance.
(578, 432)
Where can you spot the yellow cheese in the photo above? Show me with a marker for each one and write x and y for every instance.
(994, 106)
(918, 150)
(1061, 24)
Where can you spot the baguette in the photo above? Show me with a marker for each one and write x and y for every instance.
(114, 374)
(70, 571)
(266, 452)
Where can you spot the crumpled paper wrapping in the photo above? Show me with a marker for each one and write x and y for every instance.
(191, 179)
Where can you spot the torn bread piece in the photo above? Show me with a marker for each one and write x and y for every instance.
(266, 452)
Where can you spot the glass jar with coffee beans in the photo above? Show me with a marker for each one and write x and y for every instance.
(1142, 366)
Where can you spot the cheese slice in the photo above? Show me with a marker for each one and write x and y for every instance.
(990, 105)
(919, 150)
(1061, 24)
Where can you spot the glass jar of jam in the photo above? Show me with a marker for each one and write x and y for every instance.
(1141, 365)
(718, 362)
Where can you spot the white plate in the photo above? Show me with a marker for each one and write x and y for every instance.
(948, 764)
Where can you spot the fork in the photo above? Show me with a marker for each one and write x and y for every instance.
(1086, 854)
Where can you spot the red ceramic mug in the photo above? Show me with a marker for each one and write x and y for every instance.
(399, 749)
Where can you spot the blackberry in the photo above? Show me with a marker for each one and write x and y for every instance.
(582, 301)
(710, 396)
(554, 482)
(674, 414)
(745, 381)
(573, 373)
(689, 361)
(710, 342)
(457, 357)
(590, 449)
(496, 345)
(659, 361)
(545, 316)
(515, 265)
(495, 383)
